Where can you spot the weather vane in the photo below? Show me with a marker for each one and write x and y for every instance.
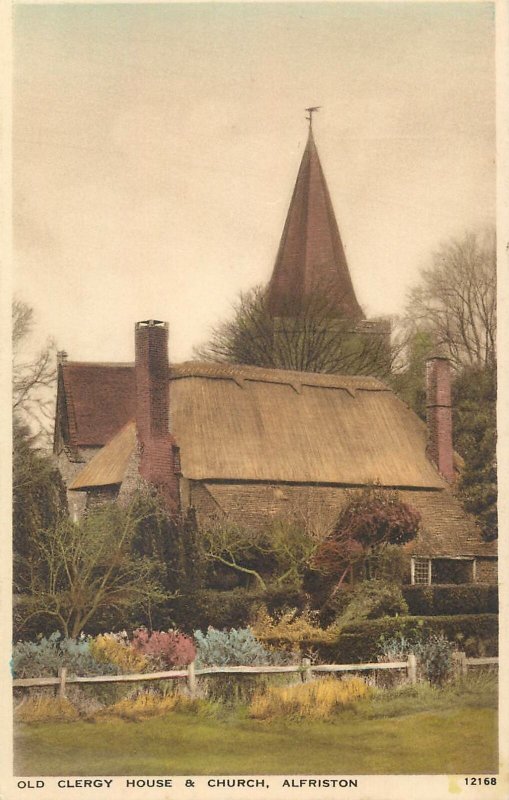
(311, 111)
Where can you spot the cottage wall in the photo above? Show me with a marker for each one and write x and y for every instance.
(486, 570)
(69, 466)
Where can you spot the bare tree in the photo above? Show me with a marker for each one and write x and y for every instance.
(456, 300)
(311, 338)
(233, 546)
(76, 571)
(33, 377)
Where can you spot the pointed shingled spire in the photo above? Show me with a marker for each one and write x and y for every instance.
(311, 256)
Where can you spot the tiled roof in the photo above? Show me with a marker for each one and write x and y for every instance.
(445, 528)
(99, 398)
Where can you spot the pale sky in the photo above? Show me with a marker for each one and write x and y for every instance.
(156, 148)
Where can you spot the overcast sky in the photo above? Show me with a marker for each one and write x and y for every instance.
(156, 148)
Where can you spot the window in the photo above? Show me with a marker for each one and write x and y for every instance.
(421, 570)
(176, 460)
(453, 570)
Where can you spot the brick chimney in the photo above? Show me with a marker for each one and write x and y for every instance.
(439, 415)
(157, 445)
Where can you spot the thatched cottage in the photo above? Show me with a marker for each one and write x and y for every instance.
(246, 441)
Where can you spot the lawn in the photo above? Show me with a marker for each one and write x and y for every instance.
(453, 739)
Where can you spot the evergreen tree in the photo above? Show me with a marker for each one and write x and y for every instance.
(39, 500)
(475, 439)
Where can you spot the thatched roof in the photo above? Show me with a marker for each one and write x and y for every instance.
(109, 465)
(250, 424)
(245, 423)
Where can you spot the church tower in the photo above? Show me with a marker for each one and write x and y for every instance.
(311, 256)
(311, 261)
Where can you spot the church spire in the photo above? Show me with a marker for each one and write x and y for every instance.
(311, 256)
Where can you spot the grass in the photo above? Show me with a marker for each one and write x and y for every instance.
(410, 730)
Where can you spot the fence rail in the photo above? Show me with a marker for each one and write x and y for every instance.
(305, 668)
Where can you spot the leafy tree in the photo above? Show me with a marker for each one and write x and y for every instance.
(409, 383)
(368, 523)
(79, 570)
(476, 439)
(455, 301)
(311, 338)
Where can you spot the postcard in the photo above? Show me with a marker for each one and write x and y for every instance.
(257, 464)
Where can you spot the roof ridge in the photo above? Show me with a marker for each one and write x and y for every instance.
(215, 369)
(98, 364)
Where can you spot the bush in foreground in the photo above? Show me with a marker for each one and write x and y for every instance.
(115, 649)
(145, 704)
(45, 656)
(45, 709)
(164, 649)
(317, 699)
(234, 647)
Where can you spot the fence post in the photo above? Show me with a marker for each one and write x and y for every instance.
(460, 664)
(306, 667)
(191, 679)
(412, 668)
(62, 675)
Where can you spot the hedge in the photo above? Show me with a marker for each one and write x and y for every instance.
(230, 609)
(475, 634)
(447, 599)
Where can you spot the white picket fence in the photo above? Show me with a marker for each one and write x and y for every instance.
(305, 668)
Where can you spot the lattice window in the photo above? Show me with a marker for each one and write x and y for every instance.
(421, 570)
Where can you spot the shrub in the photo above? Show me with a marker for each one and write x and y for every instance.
(232, 609)
(292, 631)
(45, 709)
(434, 651)
(115, 649)
(235, 647)
(164, 648)
(435, 656)
(316, 699)
(452, 599)
(391, 564)
(278, 599)
(476, 634)
(147, 703)
(373, 599)
(45, 656)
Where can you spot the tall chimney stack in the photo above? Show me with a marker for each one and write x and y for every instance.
(157, 445)
(439, 415)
